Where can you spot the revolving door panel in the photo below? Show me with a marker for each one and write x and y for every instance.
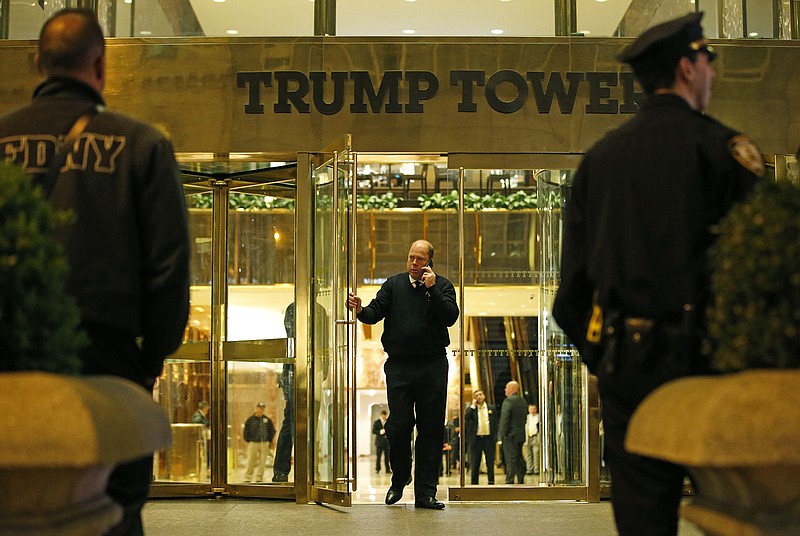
(241, 218)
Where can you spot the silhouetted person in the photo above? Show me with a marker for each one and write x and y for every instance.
(128, 246)
(634, 275)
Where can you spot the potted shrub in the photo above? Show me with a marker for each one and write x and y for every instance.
(54, 476)
(38, 320)
(737, 433)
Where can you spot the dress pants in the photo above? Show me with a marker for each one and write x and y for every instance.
(282, 464)
(531, 452)
(417, 394)
(645, 492)
(256, 459)
(515, 467)
(111, 352)
(483, 446)
(382, 450)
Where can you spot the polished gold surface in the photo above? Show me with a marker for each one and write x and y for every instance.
(189, 88)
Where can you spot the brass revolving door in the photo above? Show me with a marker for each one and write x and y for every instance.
(224, 388)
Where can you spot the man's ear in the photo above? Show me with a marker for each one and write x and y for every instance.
(99, 68)
(685, 69)
(38, 64)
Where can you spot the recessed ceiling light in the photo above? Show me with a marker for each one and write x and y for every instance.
(219, 1)
(409, 31)
(231, 32)
(497, 31)
(411, 0)
(752, 34)
(128, 1)
(145, 32)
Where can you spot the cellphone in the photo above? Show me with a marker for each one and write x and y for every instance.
(429, 263)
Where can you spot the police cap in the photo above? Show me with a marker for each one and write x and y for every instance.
(666, 42)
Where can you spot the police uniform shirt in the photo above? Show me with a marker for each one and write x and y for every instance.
(643, 205)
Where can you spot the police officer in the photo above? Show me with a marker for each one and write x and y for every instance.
(643, 207)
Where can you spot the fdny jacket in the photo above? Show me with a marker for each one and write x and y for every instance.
(128, 245)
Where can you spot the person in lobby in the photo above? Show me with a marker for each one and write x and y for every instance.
(480, 432)
(511, 431)
(531, 447)
(128, 246)
(200, 415)
(259, 431)
(417, 307)
(381, 442)
(634, 279)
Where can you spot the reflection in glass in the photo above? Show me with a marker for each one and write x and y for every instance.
(563, 375)
(251, 384)
(322, 411)
(182, 390)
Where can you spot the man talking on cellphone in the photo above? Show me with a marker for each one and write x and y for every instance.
(418, 306)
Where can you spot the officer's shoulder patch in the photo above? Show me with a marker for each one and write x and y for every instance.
(747, 154)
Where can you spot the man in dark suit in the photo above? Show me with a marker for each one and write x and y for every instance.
(512, 432)
(418, 306)
(480, 429)
(644, 204)
(381, 443)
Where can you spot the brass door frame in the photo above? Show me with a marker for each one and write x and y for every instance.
(218, 351)
(344, 452)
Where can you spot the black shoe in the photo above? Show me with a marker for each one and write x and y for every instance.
(393, 495)
(280, 477)
(429, 503)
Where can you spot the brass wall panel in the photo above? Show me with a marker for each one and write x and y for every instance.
(189, 88)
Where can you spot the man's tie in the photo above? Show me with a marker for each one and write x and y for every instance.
(417, 284)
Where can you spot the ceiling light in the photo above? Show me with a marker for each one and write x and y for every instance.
(145, 32)
(409, 31)
(497, 31)
(752, 34)
(231, 32)
(411, 0)
(219, 1)
(128, 1)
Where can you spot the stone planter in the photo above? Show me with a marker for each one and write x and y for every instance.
(738, 436)
(60, 437)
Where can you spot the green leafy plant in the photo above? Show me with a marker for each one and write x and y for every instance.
(438, 201)
(754, 319)
(38, 319)
(385, 201)
(519, 200)
(240, 201)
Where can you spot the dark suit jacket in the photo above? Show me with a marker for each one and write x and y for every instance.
(512, 419)
(380, 439)
(471, 423)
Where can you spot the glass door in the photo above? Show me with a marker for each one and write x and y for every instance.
(222, 388)
(332, 365)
